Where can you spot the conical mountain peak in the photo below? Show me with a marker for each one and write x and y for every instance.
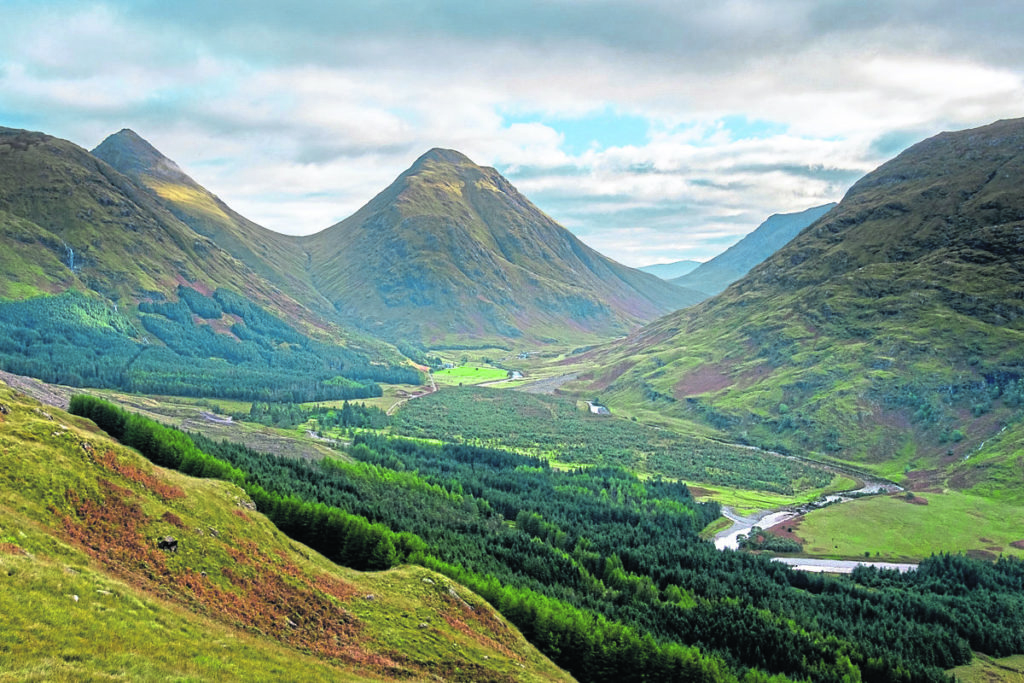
(131, 154)
(452, 251)
(445, 156)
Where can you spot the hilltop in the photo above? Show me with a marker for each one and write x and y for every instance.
(105, 286)
(451, 252)
(279, 259)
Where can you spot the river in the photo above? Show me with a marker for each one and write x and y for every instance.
(765, 519)
(819, 565)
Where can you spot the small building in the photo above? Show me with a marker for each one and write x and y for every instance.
(598, 409)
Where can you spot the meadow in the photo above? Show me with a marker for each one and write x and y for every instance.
(894, 528)
(469, 374)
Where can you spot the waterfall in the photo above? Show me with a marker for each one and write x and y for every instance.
(71, 255)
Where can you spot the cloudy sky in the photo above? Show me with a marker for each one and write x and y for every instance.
(655, 130)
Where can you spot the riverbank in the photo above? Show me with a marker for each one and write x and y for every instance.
(741, 525)
(822, 566)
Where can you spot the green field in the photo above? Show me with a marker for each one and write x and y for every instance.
(988, 670)
(469, 374)
(892, 528)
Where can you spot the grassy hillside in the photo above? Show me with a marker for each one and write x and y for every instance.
(69, 220)
(887, 333)
(89, 594)
(102, 228)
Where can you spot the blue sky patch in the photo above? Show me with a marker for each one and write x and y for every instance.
(598, 130)
(742, 128)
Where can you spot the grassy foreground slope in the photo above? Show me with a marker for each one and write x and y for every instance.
(88, 594)
(888, 331)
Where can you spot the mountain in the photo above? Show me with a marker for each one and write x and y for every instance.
(451, 252)
(667, 271)
(889, 332)
(715, 275)
(141, 301)
(75, 221)
(279, 259)
(90, 593)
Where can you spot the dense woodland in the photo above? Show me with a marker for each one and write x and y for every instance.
(604, 571)
(75, 340)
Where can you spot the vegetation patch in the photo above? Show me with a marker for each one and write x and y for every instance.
(77, 340)
(554, 429)
(111, 571)
(986, 669)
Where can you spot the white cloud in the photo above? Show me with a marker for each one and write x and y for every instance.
(296, 116)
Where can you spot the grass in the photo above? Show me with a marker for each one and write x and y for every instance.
(388, 399)
(114, 631)
(78, 515)
(746, 502)
(892, 528)
(469, 374)
(720, 524)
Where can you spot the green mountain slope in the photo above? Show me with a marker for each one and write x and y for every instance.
(89, 594)
(736, 261)
(106, 232)
(889, 332)
(279, 259)
(451, 252)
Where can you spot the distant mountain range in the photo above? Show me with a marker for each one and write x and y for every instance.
(715, 275)
(890, 328)
(667, 271)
